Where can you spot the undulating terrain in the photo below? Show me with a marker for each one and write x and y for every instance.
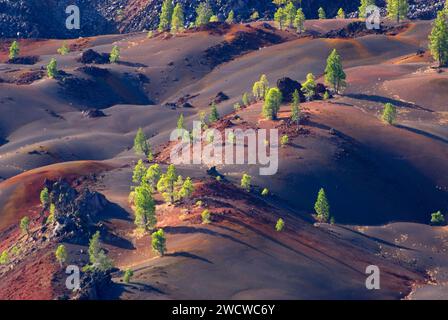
(382, 181)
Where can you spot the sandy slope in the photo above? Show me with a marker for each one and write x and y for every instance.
(373, 173)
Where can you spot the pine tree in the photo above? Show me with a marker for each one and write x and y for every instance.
(14, 50)
(397, 9)
(322, 207)
(61, 254)
(4, 257)
(114, 56)
(145, 208)
(246, 182)
(279, 225)
(260, 88)
(181, 122)
(280, 17)
(309, 87)
(299, 21)
(204, 13)
(166, 15)
(206, 217)
(389, 113)
(177, 21)
(141, 145)
(438, 39)
(437, 218)
(52, 68)
(334, 73)
(97, 256)
(44, 197)
(94, 247)
(363, 6)
(231, 17)
(255, 16)
(290, 14)
(284, 140)
(272, 103)
(166, 183)
(128, 274)
(265, 192)
(187, 189)
(214, 18)
(64, 49)
(341, 14)
(214, 115)
(158, 242)
(139, 172)
(321, 13)
(25, 225)
(295, 108)
(245, 99)
(152, 176)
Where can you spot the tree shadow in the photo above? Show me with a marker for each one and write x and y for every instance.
(189, 255)
(132, 64)
(191, 230)
(423, 133)
(384, 100)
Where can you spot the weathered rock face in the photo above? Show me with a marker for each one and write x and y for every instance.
(75, 212)
(287, 86)
(92, 284)
(46, 18)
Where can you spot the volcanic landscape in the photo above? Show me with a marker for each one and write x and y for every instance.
(382, 181)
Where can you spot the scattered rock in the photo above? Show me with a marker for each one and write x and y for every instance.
(93, 113)
(91, 56)
(220, 97)
(287, 86)
(27, 60)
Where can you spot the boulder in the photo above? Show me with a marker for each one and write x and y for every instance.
(91, 56)
(287, 86)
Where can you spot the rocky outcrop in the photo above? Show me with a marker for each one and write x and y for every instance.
(46, 18)
(287, 86)
(76, 213)
(92, 284)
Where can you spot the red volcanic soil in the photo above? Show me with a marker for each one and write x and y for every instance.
(213, 261)
(31, 279)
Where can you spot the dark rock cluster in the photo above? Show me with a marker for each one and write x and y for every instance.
(76, 213)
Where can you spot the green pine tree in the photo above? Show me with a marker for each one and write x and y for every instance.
(438, 39)
(397, 9)
(321, 13)
(203, 14)
(52, 68)
(322, 207)
(363, 6)
(166, 15)
(272, 103)
(389, 113)
(114, 56)
(280, 17)
(61, 254)
(214, 115)
(158, 242)
(231, 17)
(141, 145)
(309, 87)
(246, 182)
(290, 14)
(14, 50)
(145, 208)
(341, 14)
(334, 73)
(177, 21)
(299, 21)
